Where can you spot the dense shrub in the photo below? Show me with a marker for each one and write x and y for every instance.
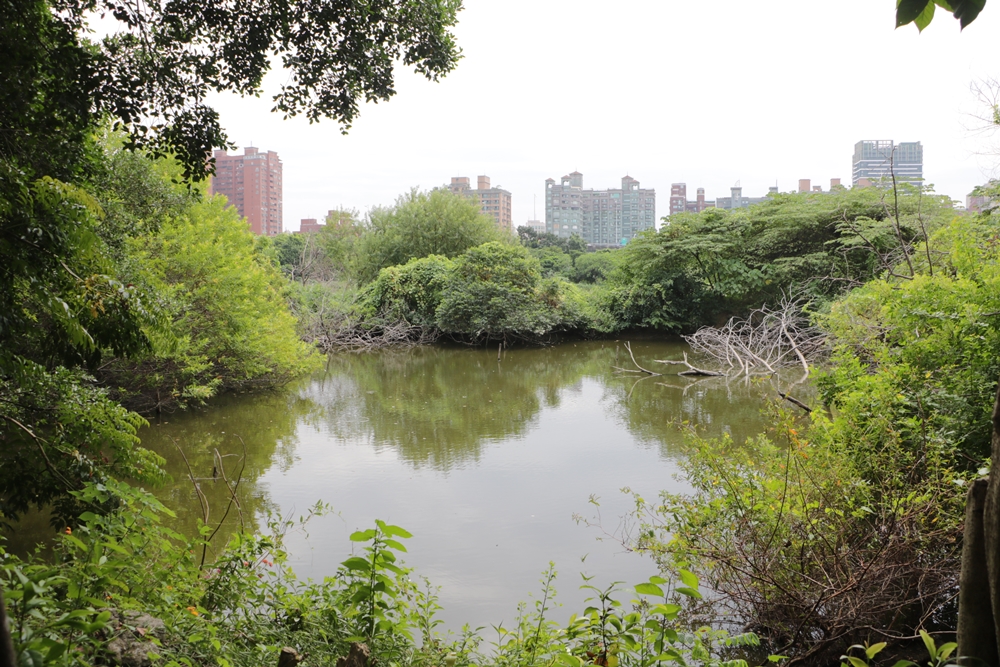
(494, 292)
(553, 262)
(930, 346)
(594, 267)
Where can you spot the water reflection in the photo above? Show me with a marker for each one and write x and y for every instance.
(438, 406)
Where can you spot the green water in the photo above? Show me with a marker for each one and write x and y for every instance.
(485, 462)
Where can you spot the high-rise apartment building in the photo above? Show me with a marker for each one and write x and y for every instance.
(877, 160)
(251, 183)
(494, 202)
(601, 217)
(679, 203)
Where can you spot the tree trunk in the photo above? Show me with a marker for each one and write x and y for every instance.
(976, 632)
(979, 620)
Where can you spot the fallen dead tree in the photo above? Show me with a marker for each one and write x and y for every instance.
(347, 335)
(764, 342)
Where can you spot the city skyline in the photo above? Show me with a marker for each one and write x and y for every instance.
(544, 125)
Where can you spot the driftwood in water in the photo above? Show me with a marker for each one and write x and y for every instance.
(691, 370)
(794, 401)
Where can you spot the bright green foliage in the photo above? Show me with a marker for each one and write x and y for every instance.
(65, 304)
(916, 361)
(652, 632)
(648, 292)
(492, 291)
(864, 503)
(135, 193)
(495, 291)
(421, 224)
(863, 655)
(411, 292)
(231, 324)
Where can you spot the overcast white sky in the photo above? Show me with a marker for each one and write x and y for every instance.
(707, 93)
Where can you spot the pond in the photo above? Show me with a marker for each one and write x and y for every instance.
(486, 462)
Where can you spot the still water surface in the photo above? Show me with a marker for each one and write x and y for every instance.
(485, 462)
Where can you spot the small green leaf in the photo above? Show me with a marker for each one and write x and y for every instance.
(874, 650)
(946, 650)
(690, 592)
(856, 662)
(362, 535)
(929, 643)
(688, 578)
(396, 531)
(925, 17)
(393, 544)
(649, 589)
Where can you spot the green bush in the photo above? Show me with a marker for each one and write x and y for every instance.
(493, 292)
(928, 348)
(806, 547)
(700, 267)
(851, 520)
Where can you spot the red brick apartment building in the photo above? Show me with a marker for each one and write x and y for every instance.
(251, 183)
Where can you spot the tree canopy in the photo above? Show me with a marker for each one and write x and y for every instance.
(155, 67)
